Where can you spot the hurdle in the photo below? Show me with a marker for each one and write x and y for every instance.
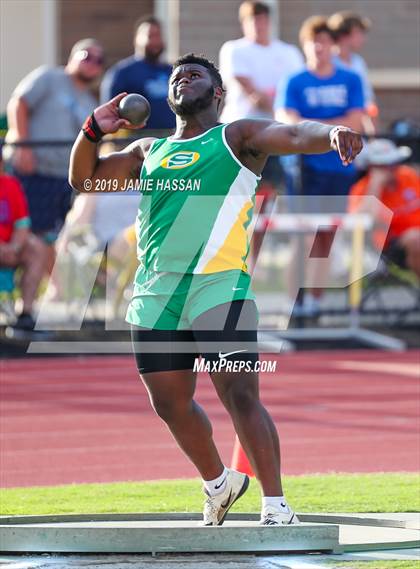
(302, 224)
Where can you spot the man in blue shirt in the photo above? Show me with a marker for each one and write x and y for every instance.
(350, 32)
(331, 95)
(328, 94)
(143, 73)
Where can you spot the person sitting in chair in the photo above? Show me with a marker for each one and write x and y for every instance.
(19, 248)
(397, 186)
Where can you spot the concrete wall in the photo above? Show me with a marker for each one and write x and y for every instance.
(27, 40)
(205, 26)
(109, 21)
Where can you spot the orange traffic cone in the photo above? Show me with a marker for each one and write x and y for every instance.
(240, 460)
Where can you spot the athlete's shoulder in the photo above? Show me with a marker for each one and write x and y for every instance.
(140, 148)
(241, 130)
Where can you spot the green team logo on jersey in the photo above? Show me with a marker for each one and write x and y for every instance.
(180, 160)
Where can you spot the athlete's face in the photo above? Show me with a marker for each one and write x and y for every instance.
(191, 90)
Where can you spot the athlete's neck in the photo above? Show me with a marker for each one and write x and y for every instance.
(191, 126)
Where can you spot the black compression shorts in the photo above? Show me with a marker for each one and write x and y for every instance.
(222, 335)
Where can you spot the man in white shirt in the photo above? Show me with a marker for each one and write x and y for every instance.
(252, 66)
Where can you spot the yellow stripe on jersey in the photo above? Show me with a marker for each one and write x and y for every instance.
(227, 256)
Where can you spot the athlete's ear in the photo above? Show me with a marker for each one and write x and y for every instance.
(218, 93)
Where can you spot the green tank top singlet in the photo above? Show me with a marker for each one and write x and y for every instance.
(196, 204)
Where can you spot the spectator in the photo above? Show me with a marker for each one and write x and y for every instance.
(19, 248)
(93, 226)
(144, 73)
(334, 96)
(251, 68)
(398, 187)
(96, 214)
(350, 31)
(51, 104)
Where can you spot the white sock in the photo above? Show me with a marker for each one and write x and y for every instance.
(218, 485)
(277, 502)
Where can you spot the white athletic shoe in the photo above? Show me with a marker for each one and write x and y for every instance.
(216, 507)
(272, 517)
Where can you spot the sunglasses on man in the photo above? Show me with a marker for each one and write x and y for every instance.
(85, 55)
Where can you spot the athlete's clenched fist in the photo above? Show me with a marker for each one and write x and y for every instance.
(348, 143)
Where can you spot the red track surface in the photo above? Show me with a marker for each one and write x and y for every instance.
(80, 419)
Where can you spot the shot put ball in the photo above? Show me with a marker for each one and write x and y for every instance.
(134, 108)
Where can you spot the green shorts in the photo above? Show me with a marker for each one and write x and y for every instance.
(171, 301)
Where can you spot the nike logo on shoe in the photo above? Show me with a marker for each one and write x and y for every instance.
(226, 504)
(222, 356)
(221, 484)
(292, 520)
(272, 519)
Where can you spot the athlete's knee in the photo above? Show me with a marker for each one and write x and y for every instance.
(166, 410)
(170, 411)
(241, 397)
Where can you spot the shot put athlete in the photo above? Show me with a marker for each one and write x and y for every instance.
(192, 286)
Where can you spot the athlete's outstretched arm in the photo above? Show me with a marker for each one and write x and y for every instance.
(87, 169)
(306, 137)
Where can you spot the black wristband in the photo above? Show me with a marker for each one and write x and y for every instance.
(91, 129)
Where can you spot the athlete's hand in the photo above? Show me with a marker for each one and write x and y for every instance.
(109, 120)
(348, 143)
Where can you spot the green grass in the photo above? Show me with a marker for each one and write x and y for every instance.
(387, 564)
(316, 493)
